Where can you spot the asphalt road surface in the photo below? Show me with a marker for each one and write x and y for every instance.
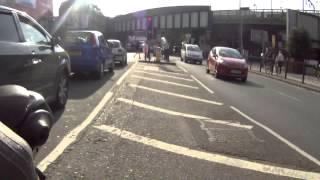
(85, 93)
(173, 121)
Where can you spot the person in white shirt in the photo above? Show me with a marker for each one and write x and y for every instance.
(279, 62)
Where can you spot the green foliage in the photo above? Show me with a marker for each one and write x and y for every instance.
(299, 43)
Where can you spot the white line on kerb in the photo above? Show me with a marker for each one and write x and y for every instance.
(72, 135)
(291, 145)
(211, 157)
(163, 75)
(175, 113)
(166, 82)
(126, 74)
(183, 69)
(176, 95)
(204, 86)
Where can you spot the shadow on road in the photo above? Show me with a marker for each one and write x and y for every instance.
(57, 114)
(240, 83)
(160, 63)
(84, 85)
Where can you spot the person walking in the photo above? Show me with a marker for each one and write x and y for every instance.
(146, 51)
(279, 61)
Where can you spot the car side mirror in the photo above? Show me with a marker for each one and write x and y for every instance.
(55, 41)
(26, 113)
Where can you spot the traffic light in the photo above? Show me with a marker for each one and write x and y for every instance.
(149, 27)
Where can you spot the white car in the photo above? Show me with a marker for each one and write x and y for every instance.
(191, 53)
(118, 51)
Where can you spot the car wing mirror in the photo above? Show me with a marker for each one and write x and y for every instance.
(26, 113)
(55, 41)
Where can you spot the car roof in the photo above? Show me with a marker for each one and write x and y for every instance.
(88, 31)
(113, 40)
(223, 47)
(192, 45)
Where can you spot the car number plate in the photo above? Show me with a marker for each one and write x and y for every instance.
(235, 71)
(74, 53)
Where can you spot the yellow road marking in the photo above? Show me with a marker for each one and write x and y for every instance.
(211, 157)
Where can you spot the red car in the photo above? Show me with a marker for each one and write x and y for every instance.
(227, 62)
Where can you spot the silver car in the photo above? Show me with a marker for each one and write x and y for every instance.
(118, 51)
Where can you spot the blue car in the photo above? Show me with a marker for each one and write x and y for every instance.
(89, 52)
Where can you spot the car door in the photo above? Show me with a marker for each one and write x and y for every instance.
(43, 59)
(15, 56)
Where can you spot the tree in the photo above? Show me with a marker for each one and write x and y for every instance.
(299, 44)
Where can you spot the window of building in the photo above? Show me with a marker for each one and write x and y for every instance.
(203, 19)
(144, 23)
(194, 19)
(162, 22)
(185, 20)
(155, 21)
(177, 20)
(169, 21)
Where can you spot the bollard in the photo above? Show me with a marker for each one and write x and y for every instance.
(286, 71)
(303, 72)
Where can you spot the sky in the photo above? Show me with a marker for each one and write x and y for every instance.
(119, 7)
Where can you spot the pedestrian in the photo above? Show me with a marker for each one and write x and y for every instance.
(146, 51)
(137, 46)
(279, 62)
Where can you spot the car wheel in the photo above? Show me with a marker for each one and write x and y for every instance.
(207, 70)
(62, 91)
(181, 59)
(100, 71)
(200, 62)
(111, 68)
(217, 75)
(244, 79)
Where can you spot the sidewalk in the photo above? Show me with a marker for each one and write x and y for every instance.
(310, 82)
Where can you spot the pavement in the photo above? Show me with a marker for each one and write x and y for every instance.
(311, 82)
(174, 121)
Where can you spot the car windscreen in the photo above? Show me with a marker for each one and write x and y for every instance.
(193, 48)
(227, 52)
(77, 38)
(114, 44)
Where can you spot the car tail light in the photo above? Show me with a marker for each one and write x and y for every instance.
(93, 40)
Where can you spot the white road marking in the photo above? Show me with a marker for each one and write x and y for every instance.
(285, 95)
(211, 157)
(165, 72)
(183, 69)
(291, 145)
(176, 95)
(151, 68)
(166, 82)
(72, 135)
(126, 74)
(163, 75)
(175, 113)
(204, 86)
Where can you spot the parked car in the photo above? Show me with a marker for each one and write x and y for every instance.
(118, 52)
(228, 62)
(30, 57)
(89, 52)
(191, 53)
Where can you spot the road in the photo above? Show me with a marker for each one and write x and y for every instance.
(173, 121)
(85, 93)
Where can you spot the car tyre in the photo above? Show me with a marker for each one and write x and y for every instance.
(111, 68)
(62, 92)
(100, 71)
(200, 62)
(217, 75)
(244, 79)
